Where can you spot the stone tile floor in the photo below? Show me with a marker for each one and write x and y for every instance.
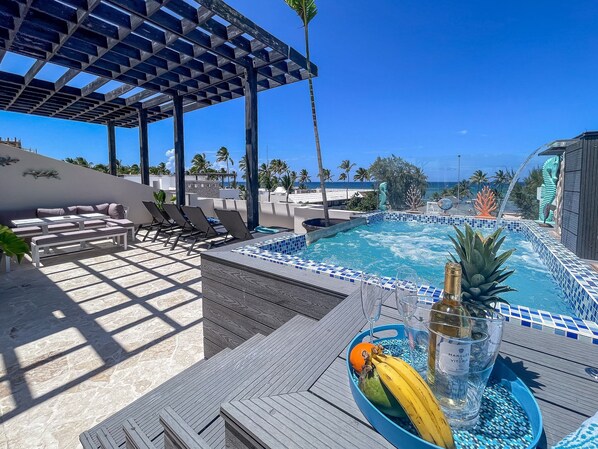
(88, 333)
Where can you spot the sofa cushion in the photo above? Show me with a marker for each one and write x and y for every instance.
(99, 208)
(120, 222)
(90, 224)
(62, 227)
(56, 211)
(116, 211)
(27, 231)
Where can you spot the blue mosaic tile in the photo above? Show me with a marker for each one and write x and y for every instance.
(575, 277)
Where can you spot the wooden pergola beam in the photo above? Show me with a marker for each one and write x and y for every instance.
(112, 148)
(251, 149)
(179, 150)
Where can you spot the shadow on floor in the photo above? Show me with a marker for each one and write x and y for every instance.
(82, 314)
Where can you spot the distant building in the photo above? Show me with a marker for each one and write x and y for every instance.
(13, 143)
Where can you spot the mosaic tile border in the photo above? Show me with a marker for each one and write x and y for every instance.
(575, 277)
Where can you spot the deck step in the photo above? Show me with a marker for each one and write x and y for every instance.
(295, 420)
(249, 369)
(178, 434)
(152, 399)
(134, 436)
(145, 410)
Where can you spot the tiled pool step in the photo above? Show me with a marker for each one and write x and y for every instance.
(578, 281)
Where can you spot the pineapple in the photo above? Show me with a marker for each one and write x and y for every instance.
(482, 272)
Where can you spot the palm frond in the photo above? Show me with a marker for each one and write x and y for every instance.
(305, 9)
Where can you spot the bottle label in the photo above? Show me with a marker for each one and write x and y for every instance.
(453, 357)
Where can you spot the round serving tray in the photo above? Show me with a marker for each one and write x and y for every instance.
(404, 439)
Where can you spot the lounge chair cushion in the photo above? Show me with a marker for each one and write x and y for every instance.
(57, 211)
(116, 211)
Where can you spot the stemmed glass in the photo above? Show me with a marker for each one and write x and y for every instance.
(371, 299)
(406, 287)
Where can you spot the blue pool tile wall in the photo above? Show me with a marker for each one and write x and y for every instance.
(578, 281)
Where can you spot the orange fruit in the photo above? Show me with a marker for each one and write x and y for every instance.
(356, 356)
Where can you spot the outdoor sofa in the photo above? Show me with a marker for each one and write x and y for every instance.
(117, 213)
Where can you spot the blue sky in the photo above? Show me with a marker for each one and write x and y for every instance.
(423, 79)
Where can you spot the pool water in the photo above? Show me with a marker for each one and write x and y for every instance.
(382, 247)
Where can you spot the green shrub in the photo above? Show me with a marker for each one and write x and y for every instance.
(365, 203)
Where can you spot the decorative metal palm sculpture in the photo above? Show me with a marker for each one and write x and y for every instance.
(413, 199)
(7, 160)
(485, 203)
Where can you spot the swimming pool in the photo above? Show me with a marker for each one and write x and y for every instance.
(576, 279)
(381, 247)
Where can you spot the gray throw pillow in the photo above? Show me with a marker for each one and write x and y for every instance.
(116, 211)
(41, 213)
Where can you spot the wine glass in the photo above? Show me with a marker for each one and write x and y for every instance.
(371, 299)
(406, 287)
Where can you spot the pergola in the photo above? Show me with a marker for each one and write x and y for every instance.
(168, 57)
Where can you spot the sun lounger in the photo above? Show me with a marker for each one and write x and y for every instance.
(160, 221)
(234, 224)
(185, 229)
(208, 231)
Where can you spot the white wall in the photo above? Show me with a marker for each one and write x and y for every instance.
(76, 186)
(286, 215)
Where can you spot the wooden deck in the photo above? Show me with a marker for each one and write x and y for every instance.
(290, 389)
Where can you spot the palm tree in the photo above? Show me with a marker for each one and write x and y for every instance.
(103, 168)
(306, 10)
(162, 170)
(500, 178)
(200, 163)
(288, 182)
(303, 178)
(243, 166)
(80, 161)
(326, 175)
(361, 174)
(278, 167)
(134, 169)
(479, 178)
(222, 155)
(346, 166)
(267, 181)
(462, 189)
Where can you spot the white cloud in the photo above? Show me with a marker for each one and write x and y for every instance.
(463, 132)
(170, 160)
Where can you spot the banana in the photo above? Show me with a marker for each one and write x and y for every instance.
(415, 409)
(422, 390)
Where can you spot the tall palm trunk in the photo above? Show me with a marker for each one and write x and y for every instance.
(347, 187)
(316, 133)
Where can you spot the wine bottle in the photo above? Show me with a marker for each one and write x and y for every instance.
(448, 348)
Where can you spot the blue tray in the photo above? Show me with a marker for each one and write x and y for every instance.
(404, 439)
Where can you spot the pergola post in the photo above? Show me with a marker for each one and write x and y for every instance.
(143, 147)
(112, 148)
(179, 150)
(251, 148)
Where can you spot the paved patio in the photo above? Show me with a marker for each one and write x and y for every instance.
(87, 334)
